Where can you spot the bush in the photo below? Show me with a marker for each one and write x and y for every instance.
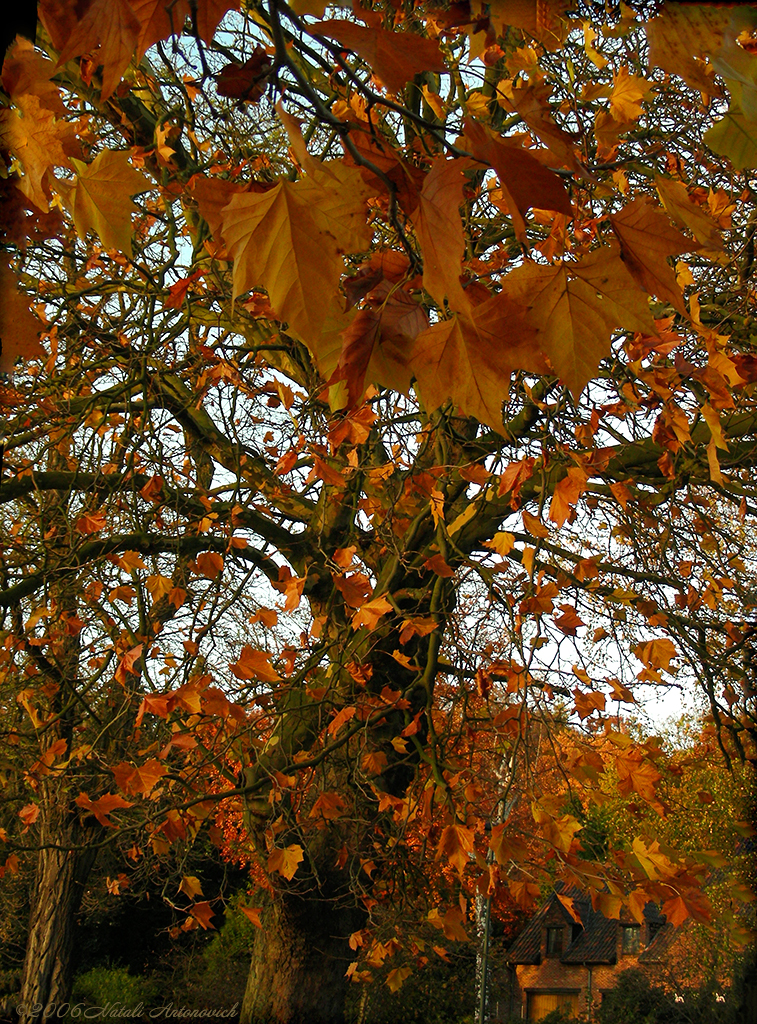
(102, 985)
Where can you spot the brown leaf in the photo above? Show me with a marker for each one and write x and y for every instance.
(684, 33)
(40, 143)
(111, 29)
(573, 309)
(202, 913)
(471, 360)
(28, 72)
(254, 664)
(246, 82)
(103, 807)
(525, 182)
(686, 213)
(646, 239)
(286, 861)
(395, 57)
(19, 328)
(456, 845)
(440, 232)
(100, 199)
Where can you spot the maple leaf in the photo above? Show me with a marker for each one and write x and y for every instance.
(100, 199)
(209, 564)
(254, 664)
(377, 346)
(246, 82)
(395, 57)
(141, 780)
(685, 212)
(40, 143)
(202, 913)
(190, 886)
(456, 844)
(637, 775)
(252, 914)
(286, 861)
(734, 136)
(26, 72)
(471, 360)
(451, 924)
(29, 814)
(110, 28)
(566, 494)
(103, 807)
(19, 328)
(588, 703)
(440, 232)
(531, 102)
(646, 239)
(525, 182)
(628, 93)
(397, 977)
(656, 653)
(693, 904)
(572, 310)
(288, 241)
(369, 613)
(328, 806)
(682, 34)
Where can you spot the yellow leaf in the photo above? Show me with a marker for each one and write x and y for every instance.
(253, 664)
(369, 614)
(440, 232)
(286, 861)
(628, 92)
(686, 213)
(456, 844)
(289, 240)
(100, 199)
(190, 886)
(574, 308)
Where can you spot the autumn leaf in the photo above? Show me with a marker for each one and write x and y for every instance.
(656, 653)
(395, 57)
(573, 308)
(684, 212)
(682, 34)
(19, 328)
(202, 913)
(440, 232)
(628, 93)
(588, 703)
(693, 904)
(637, 775)
(456, 845)
(328, 806)
(209, 564)
(252, 914)
(397, 977)
(254, 664)
(288, 240)
(566, 493)
(100, 199)
(40, 143)
(286, 861)
(369, 613)
(646, 239)
(525, 182)
(246, 82)
(472, 360)
(29, 814)
(735, 137)
(451, 923)
(27, 72)
(139, 781)
(191, 887)
(103, 807)
(109, 27)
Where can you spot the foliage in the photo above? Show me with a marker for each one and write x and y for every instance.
(101, 986)
(385, 406)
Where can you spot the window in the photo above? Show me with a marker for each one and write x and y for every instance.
(631, 936)
(541, 1003)
(554, 941)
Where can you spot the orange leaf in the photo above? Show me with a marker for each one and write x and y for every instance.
(588, 703)
(456, 844)
(693, 904)
(19, 328)
(253, 913)
(254, 664)
(396, 57)
(246, 82)
(111, 28)
(354, 588)
(533, 525)
(328, 806)
(103, 807)
(91, 523)
(440, 232)
(40, 142)
(370, 613)
(637, 775)
(190, 886)
(286, 861)
(29, 814)
(202, 913)
(436, 564)
(209, 564)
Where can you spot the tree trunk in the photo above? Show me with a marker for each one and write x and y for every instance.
(61, 876)
(299, 963)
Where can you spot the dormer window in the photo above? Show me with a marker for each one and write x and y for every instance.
(554, 941)
(630, 939)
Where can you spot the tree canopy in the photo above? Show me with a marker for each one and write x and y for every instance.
(379, 401)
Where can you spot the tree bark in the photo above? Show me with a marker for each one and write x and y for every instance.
(299, 963)
(61, 876)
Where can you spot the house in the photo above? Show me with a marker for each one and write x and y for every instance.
(562, 962)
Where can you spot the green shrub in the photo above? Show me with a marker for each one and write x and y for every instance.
(102, 985)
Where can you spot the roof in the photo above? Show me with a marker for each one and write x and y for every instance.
(595, 943)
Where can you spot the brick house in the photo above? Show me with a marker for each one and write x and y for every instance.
(561, 962)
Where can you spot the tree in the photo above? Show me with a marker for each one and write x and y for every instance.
(376, 313)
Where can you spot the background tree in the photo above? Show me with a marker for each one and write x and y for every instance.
(376, 335)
